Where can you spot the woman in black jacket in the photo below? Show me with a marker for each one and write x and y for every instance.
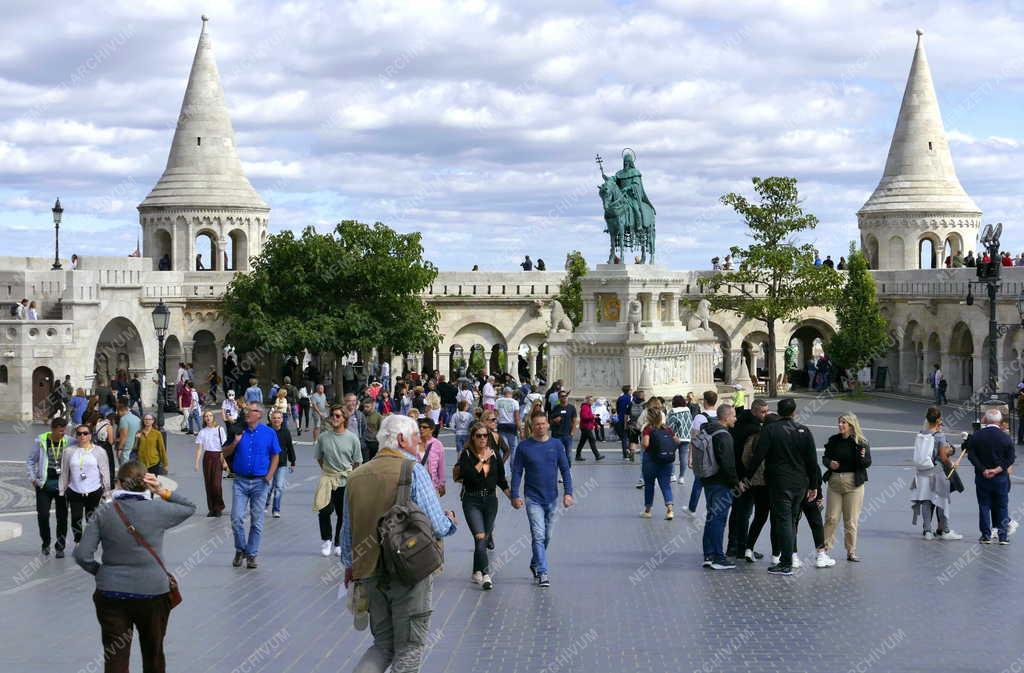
(480, 470)
(847, 459)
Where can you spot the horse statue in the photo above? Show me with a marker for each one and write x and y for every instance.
(627, 211)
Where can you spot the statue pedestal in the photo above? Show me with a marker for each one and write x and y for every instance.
(651, 349)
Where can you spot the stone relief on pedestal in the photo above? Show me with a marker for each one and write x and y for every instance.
(598, 371)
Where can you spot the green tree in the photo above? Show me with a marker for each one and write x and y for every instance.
(476, 361)
(863, 331)
(776, 277)
(352, 289)
(570, 291)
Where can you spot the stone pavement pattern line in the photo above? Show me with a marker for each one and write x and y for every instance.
(627, 594)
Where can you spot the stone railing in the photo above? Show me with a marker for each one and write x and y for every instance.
(498, 285)
(945, 283)
(55, 333)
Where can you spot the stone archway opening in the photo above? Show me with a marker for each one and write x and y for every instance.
(927, 253)
(119, 352)
(163, 250)
(961, 361)
(871, 251)
(206, 251)
(239, 244)
(204, 357)
(456, 362)
(813, 337)
(42, 387)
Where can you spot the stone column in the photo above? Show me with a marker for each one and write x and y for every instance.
(444, 363)
(188, 348)
(222, 246)
(672, 320)
(732, 365)
(589, 305)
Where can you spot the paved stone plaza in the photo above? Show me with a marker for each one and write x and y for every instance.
(627, 594)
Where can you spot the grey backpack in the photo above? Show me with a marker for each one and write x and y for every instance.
(408, 548)
(705, 464)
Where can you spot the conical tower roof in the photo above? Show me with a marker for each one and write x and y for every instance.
(919, 173)
(203, 169)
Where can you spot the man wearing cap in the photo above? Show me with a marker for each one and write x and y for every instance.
(563, 420)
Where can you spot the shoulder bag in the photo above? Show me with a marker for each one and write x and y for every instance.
(175, 593)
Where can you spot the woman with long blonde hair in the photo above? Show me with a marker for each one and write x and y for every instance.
(847, 459)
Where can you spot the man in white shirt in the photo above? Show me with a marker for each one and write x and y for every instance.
(489, 395)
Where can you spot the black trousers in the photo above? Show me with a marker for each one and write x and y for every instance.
(82, 503)
(812, 513)
(739, 521)
(43, 499)
(785, 504)
(119, 618)
(587, 436)
(336, 505)
(369, 449)
(480, 512)
(303, 412)
(762, 509)
(599, 432)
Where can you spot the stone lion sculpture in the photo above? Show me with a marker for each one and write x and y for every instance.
(634, 312)
(703, 314)
(560, 322)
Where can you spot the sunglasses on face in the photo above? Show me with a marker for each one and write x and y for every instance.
(337, 415)
(86, 433)
(480, 435)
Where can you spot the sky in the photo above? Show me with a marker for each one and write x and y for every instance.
(477, 123)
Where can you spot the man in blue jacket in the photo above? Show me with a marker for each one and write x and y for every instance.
(541, 458)
(622, 425)
(991, 452)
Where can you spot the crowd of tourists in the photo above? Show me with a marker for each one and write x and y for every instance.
(383, 473)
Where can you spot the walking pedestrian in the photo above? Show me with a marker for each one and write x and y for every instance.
(540, 459)
(302, 415)
(992, 454)
(77, 406)
(401, 612)
(84, 478)
(563, 421)
(480, 470)
(847, 459)
(135, 395)
(229, 408)
(133, 590)
(622, 424)
(280, 482)
(680, 421)
(460, 422)
(708, 412)
(150, 449)
(718, 485)
(253, 393)
(210, 460)
(195, 420)
(128, 426)
(337, 451)
(748, 422)
(659, 443)
(931, 486)
(508, 418)
(792, 474)
(254, 454)
(758, 489)
(44, 469)
(431, 453)
(588, 426)
(601, 416)
(104, 435)
(368, 442)
(318, 405)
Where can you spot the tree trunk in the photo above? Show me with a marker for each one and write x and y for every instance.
(773, 386)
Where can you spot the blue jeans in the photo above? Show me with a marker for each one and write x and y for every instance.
(511, 438)
(195, 421)
(566, 441)
(249, 492)
(718, 497)
(539, 515)
(460, 442)
(662, 472)
(623, 433)
(277, 487)
(695, 492)
(447, 412)
(684, 452)
(993, 504)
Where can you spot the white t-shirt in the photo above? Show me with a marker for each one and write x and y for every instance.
(83, 461)
(211, 439)
(195, 400)
(466, 395)
(489, 393)
(507, 408)
(700, 419)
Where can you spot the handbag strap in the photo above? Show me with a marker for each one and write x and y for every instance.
(138, 537)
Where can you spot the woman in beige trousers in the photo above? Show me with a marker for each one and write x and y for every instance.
(847, 459)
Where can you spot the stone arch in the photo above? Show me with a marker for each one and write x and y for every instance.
(173, 355)
(42, 387)
(911, 372)
(204, 355)
(3, 375)
(530, 356)
(813, 335)
(238, 240)
(928, 249)
(206, 247)
(933, 352)
(163, 244)
(955, 244)
(722, 364)
(961, 359)
(897, 253)
(119, 351)
(871, 250)
(754, 347)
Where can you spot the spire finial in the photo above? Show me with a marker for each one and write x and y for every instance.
(205, 19)
(919, 32)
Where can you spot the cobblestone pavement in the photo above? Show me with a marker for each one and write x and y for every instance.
(627, 594)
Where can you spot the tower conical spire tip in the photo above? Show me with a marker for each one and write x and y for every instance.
(920, 32)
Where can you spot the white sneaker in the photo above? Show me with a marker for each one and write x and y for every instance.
(325, 548)
(682, 480)
(949, 535)
(487, 583)
(776, 558)
(478, 577)
(337, 550)
(796, 561)
(1012, 527)
(928, 535)
(823, 560)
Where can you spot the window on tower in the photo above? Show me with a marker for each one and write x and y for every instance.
(199, 141)
(929, 145)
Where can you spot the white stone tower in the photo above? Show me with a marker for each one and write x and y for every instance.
(919, 204)
(203, 191)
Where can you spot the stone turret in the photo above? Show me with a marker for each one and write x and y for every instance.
(203, 191)
(919, 200)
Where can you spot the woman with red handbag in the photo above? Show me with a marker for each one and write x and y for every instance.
(134, 591)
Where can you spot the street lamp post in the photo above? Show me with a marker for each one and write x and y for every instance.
(57, 213)
(988, 275)
(161, 320)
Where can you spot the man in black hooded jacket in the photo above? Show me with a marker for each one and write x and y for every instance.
(748, 423)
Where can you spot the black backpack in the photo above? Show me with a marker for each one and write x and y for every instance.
(662, 446)
(409, 551)
(14, 310)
